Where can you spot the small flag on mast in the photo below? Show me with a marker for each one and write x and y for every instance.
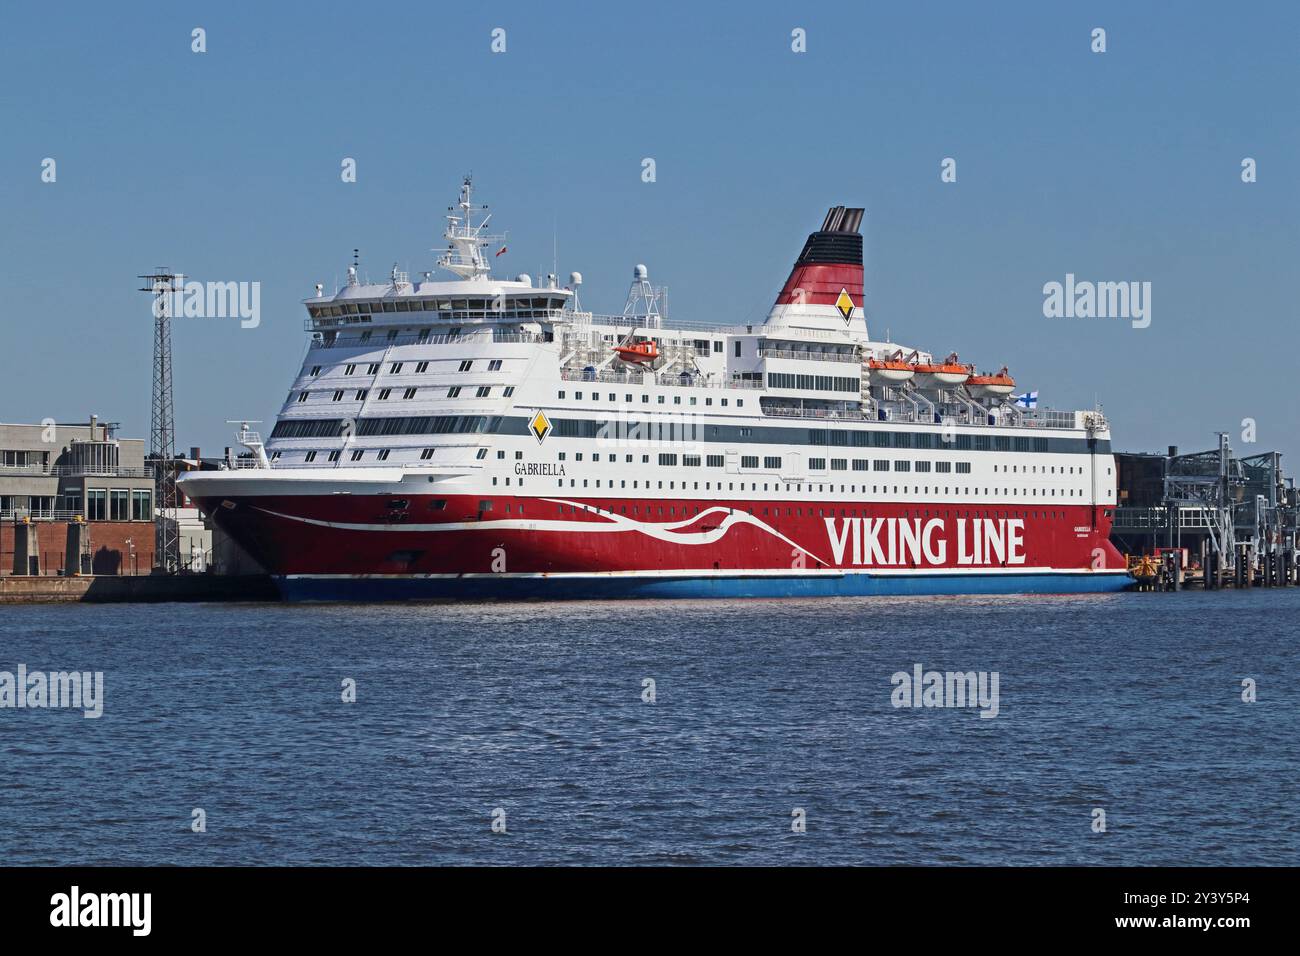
(1027, 400)
(500, 251)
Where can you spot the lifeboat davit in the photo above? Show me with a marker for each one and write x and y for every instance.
(999, 384)
(890, 371)
(943, 374)
(637, 352)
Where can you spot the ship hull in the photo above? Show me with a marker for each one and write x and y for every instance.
(558, 587)
(393, 547)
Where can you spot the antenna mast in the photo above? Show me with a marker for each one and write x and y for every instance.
(162, 433)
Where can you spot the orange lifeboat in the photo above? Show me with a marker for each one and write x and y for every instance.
(945, 374)
(999, 384)
(638, 352)
(890, 371)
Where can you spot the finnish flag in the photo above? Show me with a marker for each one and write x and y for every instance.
(1027, 400)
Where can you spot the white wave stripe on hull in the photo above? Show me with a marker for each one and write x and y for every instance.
(660, 531)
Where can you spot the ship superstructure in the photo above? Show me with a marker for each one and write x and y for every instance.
(485, 436)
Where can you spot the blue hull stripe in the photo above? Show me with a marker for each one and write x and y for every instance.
(399, 588)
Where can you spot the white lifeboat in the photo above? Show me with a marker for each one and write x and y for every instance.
(891, 370)
(943, 374)
(999, 384)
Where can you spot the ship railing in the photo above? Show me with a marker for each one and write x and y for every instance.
(380, 320)
(617, 378)
(784, 411)
(808, 356)
(654, 323)
(421, 339)
(1050, 419)
(244, 462)
(669, 380)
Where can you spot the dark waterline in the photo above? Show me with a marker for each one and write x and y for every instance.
(1131, 703)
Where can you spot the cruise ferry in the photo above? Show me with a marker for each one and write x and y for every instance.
(468, 436)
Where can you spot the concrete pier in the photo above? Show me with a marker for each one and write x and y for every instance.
(32, 589)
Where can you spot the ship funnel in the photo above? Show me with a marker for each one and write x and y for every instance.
(824, 290)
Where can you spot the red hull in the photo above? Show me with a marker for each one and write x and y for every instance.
(368, 535)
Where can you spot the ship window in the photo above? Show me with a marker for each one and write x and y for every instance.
(482, 453)
(453, 392)
(310, 456)
(422, 367)
(358, 454)
(396, 368)
(365, 336)
(338, 395)
(510, 390)
(349, 369)
(439, 504)
(315, 370)
(383, 454)
(302, 396)
(372, 368)
(409, 393)
(426, 454)
(334, 455)
(466, 365)
(362, 393)
(483, 391)
(384, 393)
(494, 365)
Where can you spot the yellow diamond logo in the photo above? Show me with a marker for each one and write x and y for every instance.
(845, 304)
(540, 426)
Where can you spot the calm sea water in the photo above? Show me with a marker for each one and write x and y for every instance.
(1131, 703)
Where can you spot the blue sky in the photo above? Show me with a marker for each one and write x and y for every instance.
(225, 165)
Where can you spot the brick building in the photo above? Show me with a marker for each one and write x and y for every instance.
(54, 474)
